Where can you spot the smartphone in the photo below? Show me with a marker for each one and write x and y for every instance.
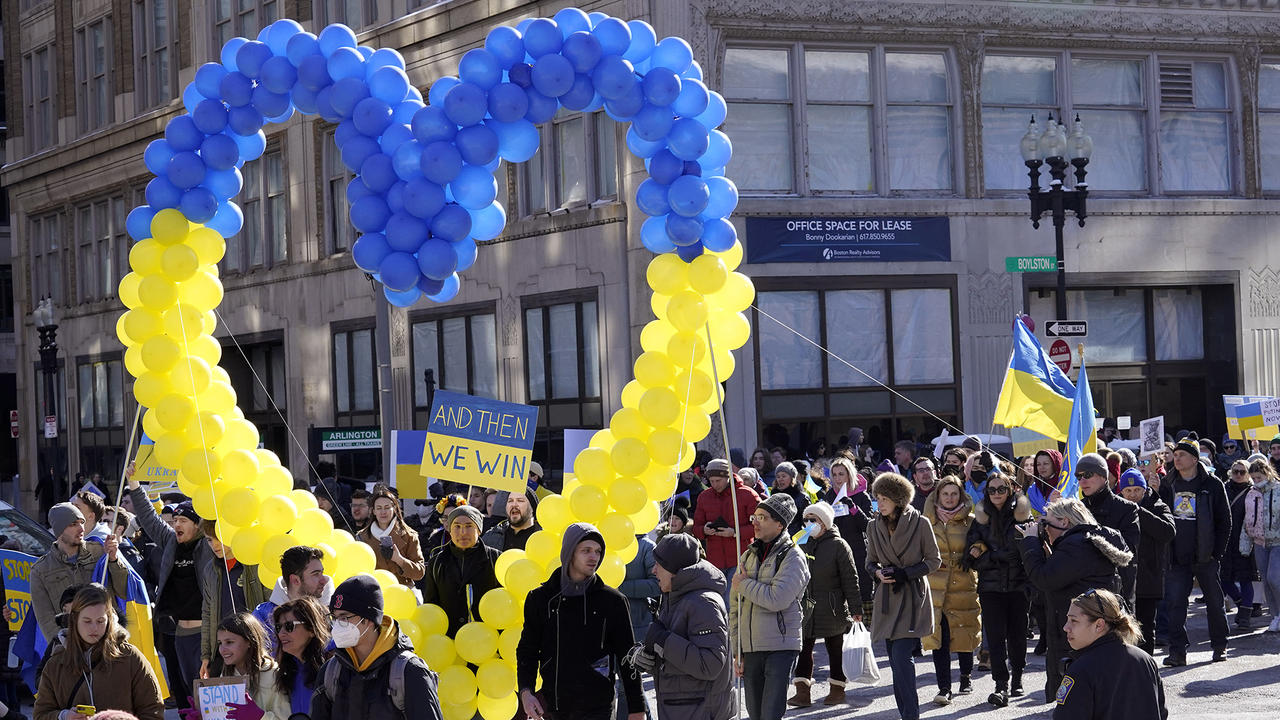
(86, 710)
(386, 548)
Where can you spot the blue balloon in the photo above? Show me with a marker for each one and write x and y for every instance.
(508, 102)
(282, 117)
(402, 113)
(251, 146)
(357, 150)
(209, 79)
(395, 197)
(654, 235)
(692, 100)
(517, 141)
(228, 220)
(723, 197)
(661, 87)
(365, 51)
(689, 253)
(541, 107)
(614, 36)
(229, 51)
(541, 38)
(198, 204)
(474, 187)
(402, 299)
(664, 167)
(372, 116)
(356, 189)
(423, 198)
(582, 49)
(268, 103)
(580, 96)
(448, 290)
(488, 222)
(224, 184)
(301, 46)
(313, 73)
(186, 170)
(369, 251)
(245, 120)
(521, 74)
(395, 136)
(407, 159)
(399, 271)
(236, 89)
(440, 162)
(279, 75)
(138, 223)
(370, 214)
(405, 232)
(693, 72)
(613, 77)
(718, 234)
(506, 45)
(304, 99)
(625, 108)
(430, 124)
(688, 195)
(466, 104)
(191, 98)
(281, 32)
(378, 172)
(643, 40)
(182, 134)
(336, 36)
(452, 223)
(466, 250)
(672, 53)
(713, 116)
(428, 286)
(347, 93)
(687, 139)
(478, 144)
(480, 67)
(652, 123)
(440, 88)
(383, 57)
(161, 193)
(345, 132)
(642, 148)
(324, 106)
(250, 58)
(572, 20)
(437, 259)
(651, 198)
(157, 156)
(692, 168)
(719, 150)
(683, 230)
(389, 84)
(346, 63)
(552, 75)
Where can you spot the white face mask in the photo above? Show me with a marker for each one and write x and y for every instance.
(812, 528)
(345, 634)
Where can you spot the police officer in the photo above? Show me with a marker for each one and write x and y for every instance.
(1107, 676)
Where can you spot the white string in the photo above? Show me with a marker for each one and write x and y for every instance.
(684, 424)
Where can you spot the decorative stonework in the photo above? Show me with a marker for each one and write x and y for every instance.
(1248, 62)
(1264, 292)
(969, 53)
(399, 333)
(510, 312)
(990, 298)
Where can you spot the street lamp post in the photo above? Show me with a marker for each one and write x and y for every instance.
(47, 326)
(1051, 148)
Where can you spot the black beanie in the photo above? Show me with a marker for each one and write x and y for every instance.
(676, 552)
(359, 595)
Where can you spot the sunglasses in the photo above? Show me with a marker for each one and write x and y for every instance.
(998, 490)
(1084, 475)
(289, 626)
(1238, 472)
(1145, 463)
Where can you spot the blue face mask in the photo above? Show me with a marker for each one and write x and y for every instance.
(812, 528)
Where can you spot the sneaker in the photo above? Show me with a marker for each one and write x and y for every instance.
(966, 685)
(1257, 610)
(1275, 626)
(943, 697)
(1015, 687)
(1175, 660)
(998, 699)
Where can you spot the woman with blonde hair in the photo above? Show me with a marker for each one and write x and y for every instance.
(1107, 676)
(851, 504)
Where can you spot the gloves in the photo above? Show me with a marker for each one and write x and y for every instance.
(657, 635)
(899, 575)
(189, 713)
(644, 660)
(249, 710)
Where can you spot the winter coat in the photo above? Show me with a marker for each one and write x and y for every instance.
(999, 565)
(853, 528)
(1085, 557)
(54, 572)
(1113, 511)
(407, 540)
(693, 681)
(366, 692)
(638, 585)
(503, 537)
(833, 586)
(695, 489)
(1201, 515)
(1110, 679)
(1237, 561)
(166, 540)
(723, 552)
(767, 600)
(1156, 521)
(254, 595)
(801, 500)
(124, 683)
(902, 610)
(274, 703)
(450, 572)
(953, 585)
(1262, 515)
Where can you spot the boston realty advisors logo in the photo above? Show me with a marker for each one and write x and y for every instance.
(828, 253)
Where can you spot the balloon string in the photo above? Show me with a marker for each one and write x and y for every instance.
(128, 453)
(684, 424)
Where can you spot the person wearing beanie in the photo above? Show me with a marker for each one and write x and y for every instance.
(519, 526)
(785, 482)
(722, 518)
(1155, 520)
(1110, 510)
(686, 647)
(70, 562)
(1273, 453)
(355, 682)
(765, 610)
(837, 603)
(462, 571)
(901, 552)
(576, 633)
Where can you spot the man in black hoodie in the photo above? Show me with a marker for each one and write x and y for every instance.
(576, 632)
(1113, 511)
(1203, 528)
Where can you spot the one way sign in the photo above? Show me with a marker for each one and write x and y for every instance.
(1066, 328)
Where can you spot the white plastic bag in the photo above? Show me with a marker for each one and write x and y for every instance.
(859, 661)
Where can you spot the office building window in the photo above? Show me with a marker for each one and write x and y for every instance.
(6, 298)
(101, 394)
(263, 241)
(355, 14)
(461, 352)
(241, 18)
(1269, 123)
(102, 245)
(339, 233)
(156, 70)
(37, 89)
(562, 368)
(48, 258)
(93, 75)
(576, 163)
(257, 370)
(355, 383)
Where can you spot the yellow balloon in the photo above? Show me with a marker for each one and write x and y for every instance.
(432, 619)
(248, 544)
(353, 559)
(655, 335)
(305, 500)
(588, 503)
(658, 304)
(208, 245)
(202, 467)
(169, 226)
(133, 359)
(210, 321)
(737, 294)
(504, 561)
(660, 406)
(686, 350)
(554, 514)
(226, 532)
(272, 550)
(179, 263)
(707, 274)
(313, 525)
(174, 411)
(239, 468)
(602, 439)
(612, 570)
(398, 601)
(184, 321)
(169, 450)
(628, 423)
(497, 708)
(659, 482)
(732, 257)
(723, 366)
(617, 530)
(593, 467)
(205, 348)
(543, 547)
(628, 552)
(148, 389)
(278, 511)
(477, 642)
(128, 290)
(411, 629)
(266, 458)
(191, 377)
(239, 506)
(156, 292)
(276, 480)
(628, 495)
(695, 385)
(667, 274)
(152, 427)
(697, 425)
(731, 330)
(218, 397)
(630, 457)
(437, 649)
(240, 434)
(500, 609)
(653, 369)
(523, 575)
(496, 679)
(144, 257)
(123, 336)
(206, 428)
(458, 685)
(142, 324)
(631, 394)
(202, 291)
(330, 555)
(385, 579)
(646, 519)
(508, 640)
(687, 311)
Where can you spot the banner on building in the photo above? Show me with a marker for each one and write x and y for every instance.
(478, 441)
(848, 239)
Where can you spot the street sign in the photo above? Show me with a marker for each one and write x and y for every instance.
(355, 438)
(1060, 354)
(1066, 328)
(1034, 263)
(13, 423)
(51, 426)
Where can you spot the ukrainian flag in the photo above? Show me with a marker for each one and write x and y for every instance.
(407, 447)
(135, 612)
(1036, 395)
(1082, 437)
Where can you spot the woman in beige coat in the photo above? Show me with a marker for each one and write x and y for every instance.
(954, 587)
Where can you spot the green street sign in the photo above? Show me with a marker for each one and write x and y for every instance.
(336, 439)
(1031, 264)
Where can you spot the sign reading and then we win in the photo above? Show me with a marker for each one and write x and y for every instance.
(478, 441)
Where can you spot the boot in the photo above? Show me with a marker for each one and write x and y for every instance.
(1015, 683)
(801, 698)
(835, 696)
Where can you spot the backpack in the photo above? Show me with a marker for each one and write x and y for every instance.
(395, 685)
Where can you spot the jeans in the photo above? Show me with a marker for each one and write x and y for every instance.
(620, 700)
(904, 677)
(1145, 611)
(765, 679)
(1241, 593)
(835, 651)
(728, 582)
(1268, 562)
(1004, 625)
(1177, 591)
(942, 660)
(186, 644)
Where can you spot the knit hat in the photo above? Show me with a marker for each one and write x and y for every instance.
(62, 515)
(676, 552)
(1255, 457)
(681, 513)
(718, 465)
(823, 511)
(465, 511)
(186, 510)
(788, 468)
(1275, 440)
(535, 468)
(1189, 446)
(359, 595)
(1091, 463)
(1131, 478)
(780, 506)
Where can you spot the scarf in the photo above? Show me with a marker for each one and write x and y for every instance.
(947, 516)
(379, 533)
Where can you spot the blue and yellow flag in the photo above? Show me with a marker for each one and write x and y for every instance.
(1082, 436)
(406, 448)
(1036, 394)
(135, 613)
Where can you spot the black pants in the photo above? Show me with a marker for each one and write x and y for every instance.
(942, 659)
(179, 686)
(835, 651)
(1056, 649)
(1177, 590)
(1004, 624)
(1146, 614)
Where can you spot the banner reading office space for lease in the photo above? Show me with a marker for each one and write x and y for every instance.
(479, 441)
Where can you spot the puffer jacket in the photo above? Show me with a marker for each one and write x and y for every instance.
(693, 681)
(723, 552)
(1085, 557)
(999, 565)
(903, 610)
(1156, 520)
(638, 585)
(1262, 515)
(365, 692)
(954, 585)
(767, 600)
(833, 586)
(450, 573)
(1113, 511)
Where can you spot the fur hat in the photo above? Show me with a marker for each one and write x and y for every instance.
(894, 488)
(823, 511)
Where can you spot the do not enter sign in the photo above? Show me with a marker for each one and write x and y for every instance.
(1060, 354)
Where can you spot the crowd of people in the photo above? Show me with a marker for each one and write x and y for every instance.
(960, 555)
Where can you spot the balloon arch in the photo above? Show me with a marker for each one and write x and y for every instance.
(423, 195)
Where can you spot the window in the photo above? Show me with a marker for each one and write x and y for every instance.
(1160, 124)
(37, 81)
(48, 259)
(862, 121)
(562, 368)
(257, 370)
(6, 298)
(101, 395)
(263, 242)
(355, 14)
(1269, 123)
(355, 381)
(576, 163)
(102, 245)
(461, 352)
(339, 233)
(93, 79)
(156, 70)
(241, 18)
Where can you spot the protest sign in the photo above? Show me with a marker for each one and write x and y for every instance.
(478, 441)
(406, 451)
(212, 695)
(1151, 434)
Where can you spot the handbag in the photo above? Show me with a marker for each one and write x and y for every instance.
(859, 661)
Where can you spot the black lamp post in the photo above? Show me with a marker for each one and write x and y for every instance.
(1051, 148)
(47, 326)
